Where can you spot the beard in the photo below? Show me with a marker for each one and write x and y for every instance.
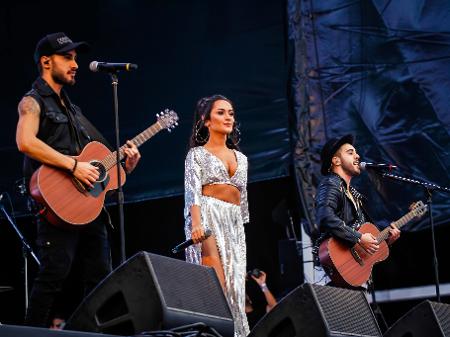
(60, 79)
(351, 170)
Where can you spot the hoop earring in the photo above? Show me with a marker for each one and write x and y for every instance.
(235, 136)
(198, 128)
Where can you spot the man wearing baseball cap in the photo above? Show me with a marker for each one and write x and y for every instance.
(339, 206)
(51, 130)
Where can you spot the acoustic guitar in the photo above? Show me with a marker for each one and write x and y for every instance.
(353, 266)
(66, 200)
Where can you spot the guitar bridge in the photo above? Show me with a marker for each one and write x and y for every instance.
(356, 256)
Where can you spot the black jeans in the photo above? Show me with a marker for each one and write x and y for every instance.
(57, 248)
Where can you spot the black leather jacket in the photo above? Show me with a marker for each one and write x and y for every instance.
(336, 214)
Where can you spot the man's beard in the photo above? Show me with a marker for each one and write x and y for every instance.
(351, 170)
(60, 79)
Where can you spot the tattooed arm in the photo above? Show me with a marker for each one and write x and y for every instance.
(29, 144)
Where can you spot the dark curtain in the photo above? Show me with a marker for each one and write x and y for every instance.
(381, 71)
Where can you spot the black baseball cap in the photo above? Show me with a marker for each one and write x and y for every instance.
(330, 148)
(57, 43)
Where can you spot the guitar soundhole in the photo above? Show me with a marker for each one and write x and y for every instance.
(101, 169)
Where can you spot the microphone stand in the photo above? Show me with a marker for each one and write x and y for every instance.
(26, 249)
(429, 189)
(120, 197)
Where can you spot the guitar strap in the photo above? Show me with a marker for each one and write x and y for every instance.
(366, 214)
(74, 127)
(81, 124)
(92, 131)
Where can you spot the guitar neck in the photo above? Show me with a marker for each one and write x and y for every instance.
(384, 234)
(111, 159)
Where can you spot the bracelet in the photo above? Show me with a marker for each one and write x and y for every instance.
(264, 287)
(74, 166)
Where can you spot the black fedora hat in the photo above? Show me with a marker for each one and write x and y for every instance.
(330, 148)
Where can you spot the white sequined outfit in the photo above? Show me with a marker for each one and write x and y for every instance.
(225, 220)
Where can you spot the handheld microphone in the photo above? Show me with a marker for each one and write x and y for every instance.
(189, 242)
(376, 166)
(111, 67)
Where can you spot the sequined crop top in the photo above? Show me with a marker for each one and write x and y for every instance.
(204, 168)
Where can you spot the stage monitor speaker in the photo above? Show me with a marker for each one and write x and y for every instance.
(424, 320)
(313, 310)
(25, 331)
(151, 292)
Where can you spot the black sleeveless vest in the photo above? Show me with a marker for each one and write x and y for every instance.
(64, 128)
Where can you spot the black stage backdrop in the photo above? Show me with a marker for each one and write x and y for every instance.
(185, 50)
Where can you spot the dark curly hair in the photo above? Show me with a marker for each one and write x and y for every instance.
(200, 133)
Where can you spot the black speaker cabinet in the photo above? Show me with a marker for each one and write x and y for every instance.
(315, 311)
(424, 320)
(25, 331)
(152, 292)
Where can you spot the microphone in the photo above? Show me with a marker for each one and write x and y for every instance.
(189, 242)
(376, 166)
(111, 67)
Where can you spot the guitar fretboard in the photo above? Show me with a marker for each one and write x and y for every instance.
(418, 210)
(110, 160)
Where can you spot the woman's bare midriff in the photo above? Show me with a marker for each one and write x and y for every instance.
(224, 192)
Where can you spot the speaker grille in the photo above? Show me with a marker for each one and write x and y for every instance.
(427, 319)
(174, 276)
(346, 311)
(152, 292)
(443, 315)
(313, 310)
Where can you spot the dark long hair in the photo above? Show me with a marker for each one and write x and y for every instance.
(200, 133)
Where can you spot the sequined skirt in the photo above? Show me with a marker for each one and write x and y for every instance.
(225, 222)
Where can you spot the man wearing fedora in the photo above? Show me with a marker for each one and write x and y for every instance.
(51, 130)
(339, 206)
